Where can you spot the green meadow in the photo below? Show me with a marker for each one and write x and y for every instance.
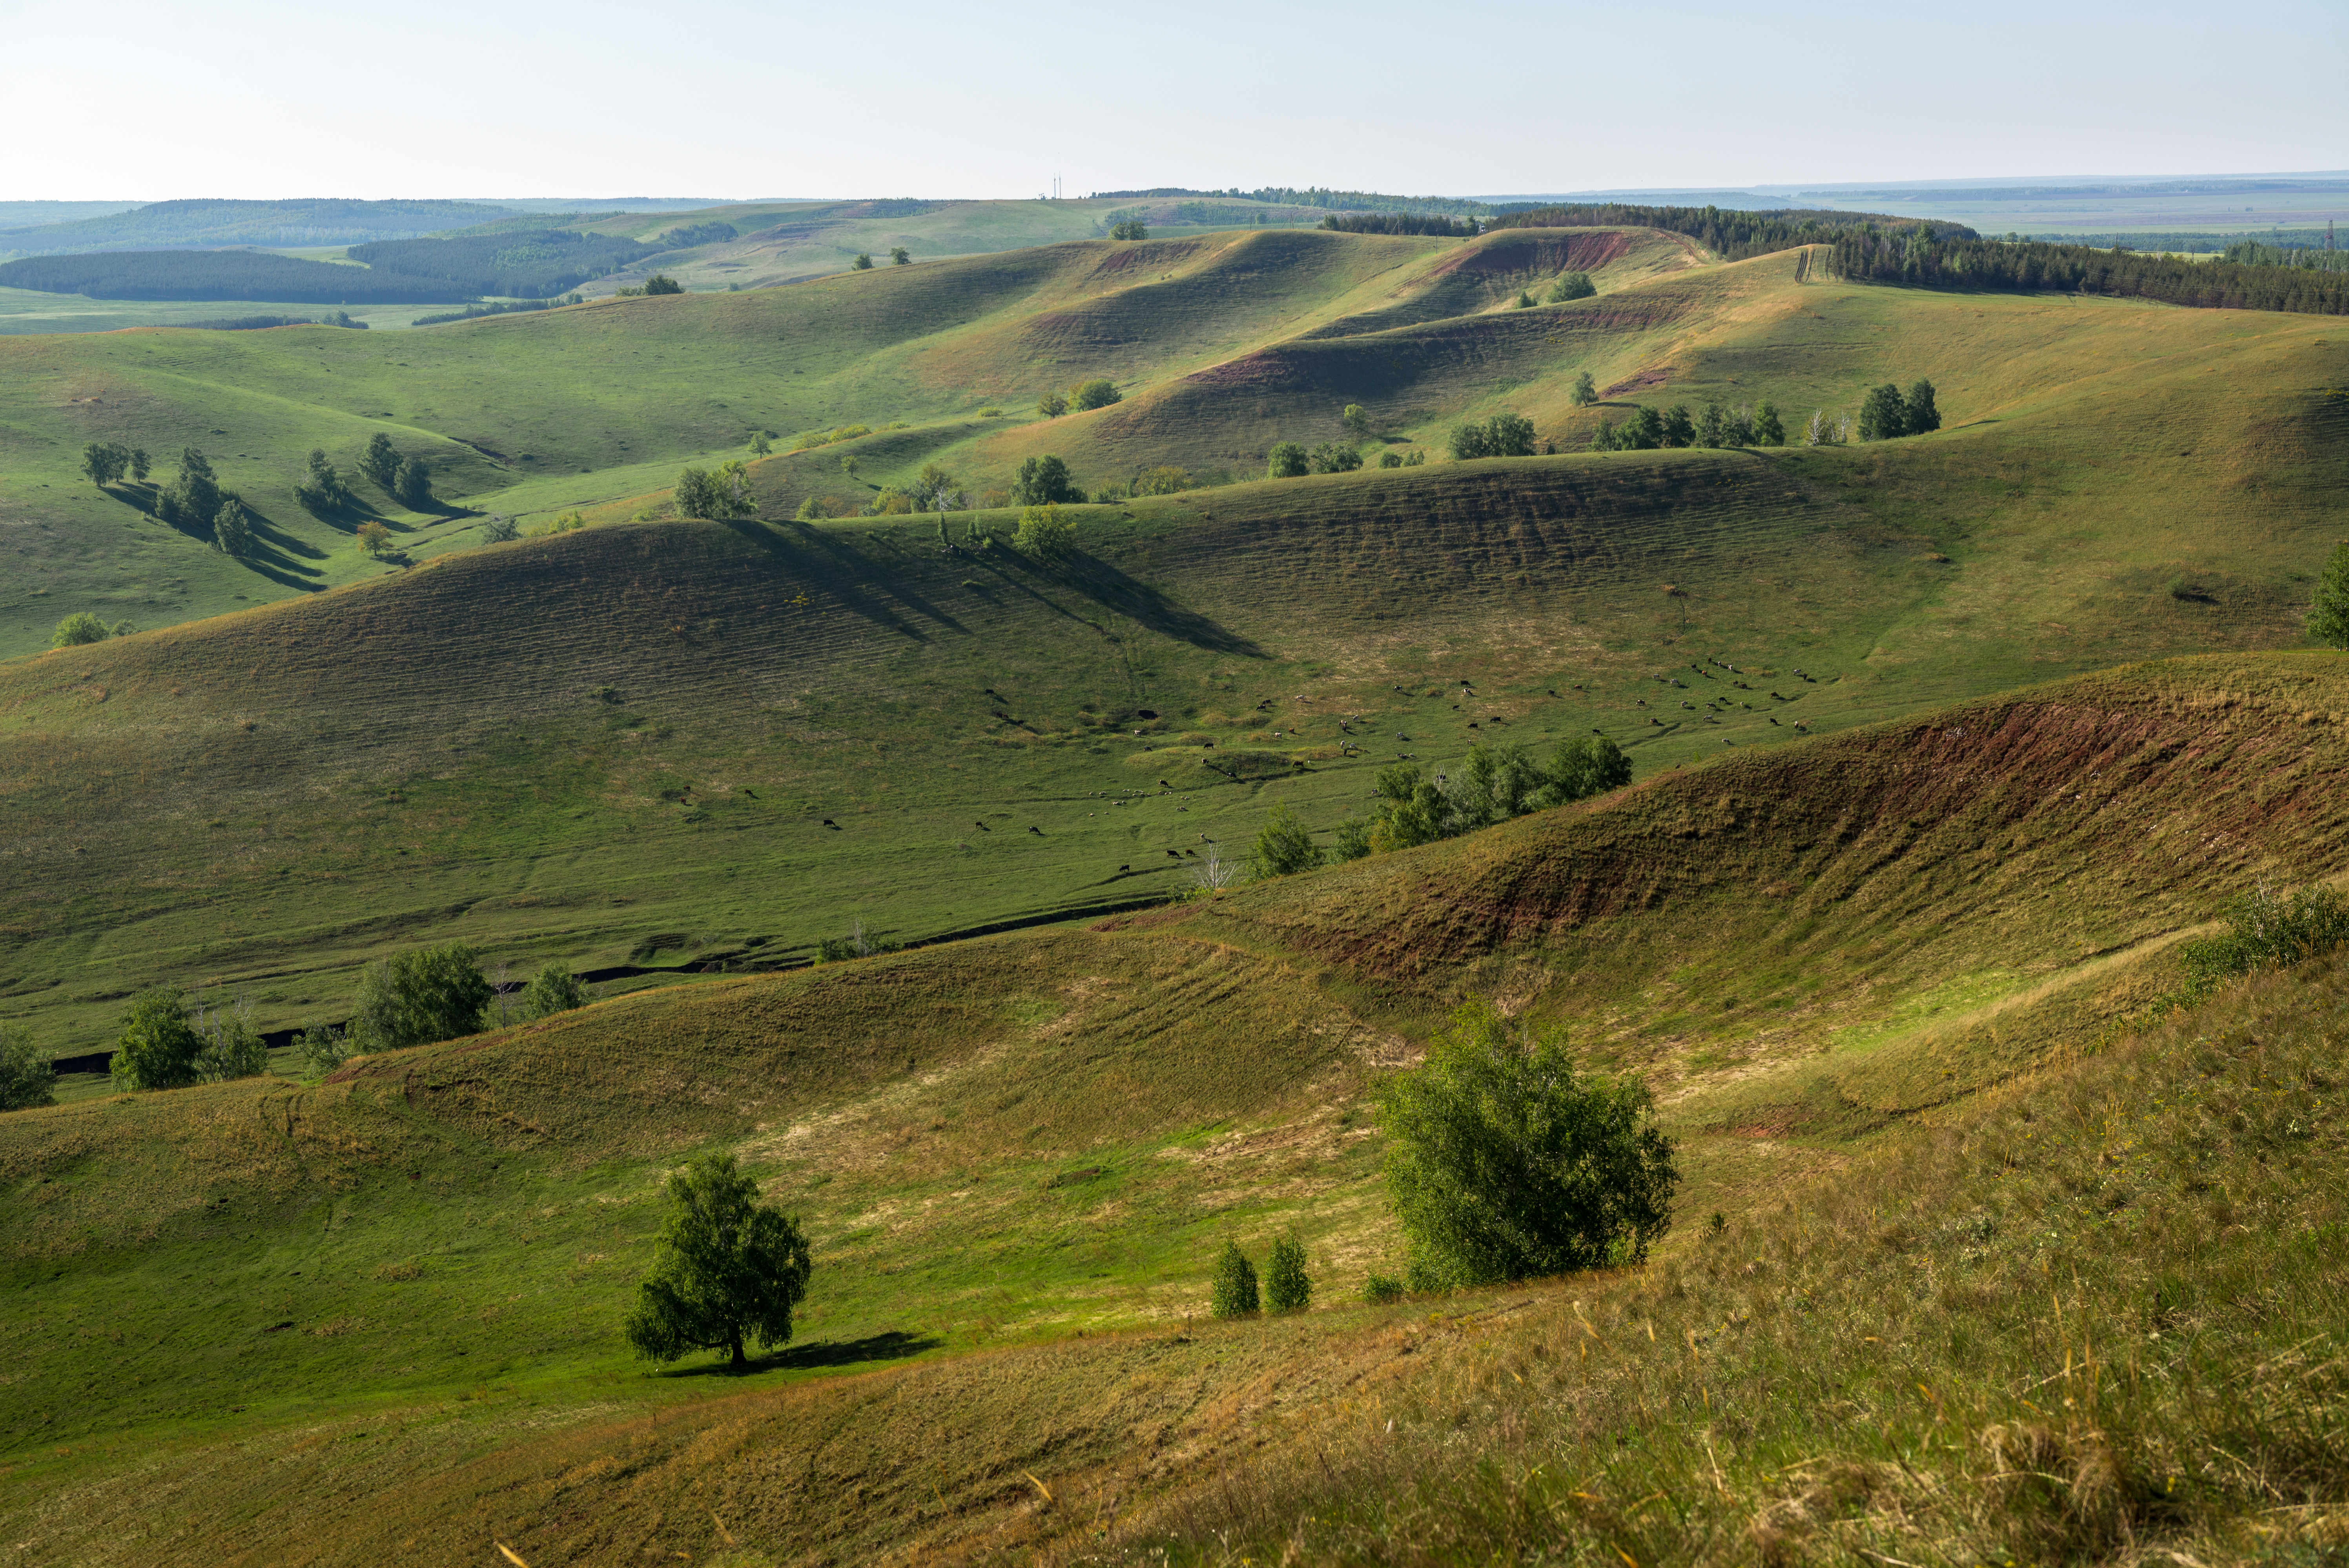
(1940, 746)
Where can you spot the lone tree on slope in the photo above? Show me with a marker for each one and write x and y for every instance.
(2328, 617)
(726, 1268)
(1502, 1164)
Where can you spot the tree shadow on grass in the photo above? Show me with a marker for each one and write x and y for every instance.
(1113, 589)
(857, 581)
(892, 1346)
(273, 552)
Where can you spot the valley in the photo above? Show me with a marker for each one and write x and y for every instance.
(1940, 747)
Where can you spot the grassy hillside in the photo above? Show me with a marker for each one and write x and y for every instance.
(646, 726)
(2141, 423)
(410, 1276)
(780, 245)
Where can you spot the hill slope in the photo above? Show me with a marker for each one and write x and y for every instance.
(998, 1141)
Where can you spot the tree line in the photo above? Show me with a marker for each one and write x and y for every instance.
(502, 307)
(2254, 254)
(1732, 234)
(264, 322)
(1929, 261)
(1399, 223)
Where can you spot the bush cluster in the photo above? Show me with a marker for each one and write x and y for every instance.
(1502, 436)
(1286, 1286)
(1886, 414)
(1042, 481)
(1084, 397)
(170, 1038)
(2267, 928)
(1495, 783)
(1649, 429)
(27, 1075)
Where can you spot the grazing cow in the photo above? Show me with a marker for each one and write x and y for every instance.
(829, 823)
(1037, 832)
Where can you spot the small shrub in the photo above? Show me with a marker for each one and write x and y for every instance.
(661, 283)
(553, 989)
(1234, 1294)
(1572, 287)
(320, 1049)
(373, 537)
(1286, 1286)
(863, 263)
(1525, 300)
(1283, 845)
(1287, 461)
(1044, 534)
(1094, 394)
(1382, 1288)
(1164, 479)
(500, 528)
(1390, 459)
(2269, 929)
(27, 1075)
(1335, 457)
(1130, 229)
(78, 628)
(157, 1047)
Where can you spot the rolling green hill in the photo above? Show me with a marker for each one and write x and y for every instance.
(1924, 799)
(621, 747)
(399, 1288)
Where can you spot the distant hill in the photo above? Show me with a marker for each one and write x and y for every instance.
(222, 274)
(16, 215)
(527, 264)
(309, 221)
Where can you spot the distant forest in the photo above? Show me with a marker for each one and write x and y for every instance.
(1399, 224)
(221, 275)
(2252, 253)
(1730, 234)
(2032, 267)
(535, 264)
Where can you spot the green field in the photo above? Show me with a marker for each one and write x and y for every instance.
(1882, 935)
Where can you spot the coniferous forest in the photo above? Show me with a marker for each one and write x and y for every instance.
(1730, 234)
(1933, 261)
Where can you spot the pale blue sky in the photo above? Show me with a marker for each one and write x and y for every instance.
(262, 97)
